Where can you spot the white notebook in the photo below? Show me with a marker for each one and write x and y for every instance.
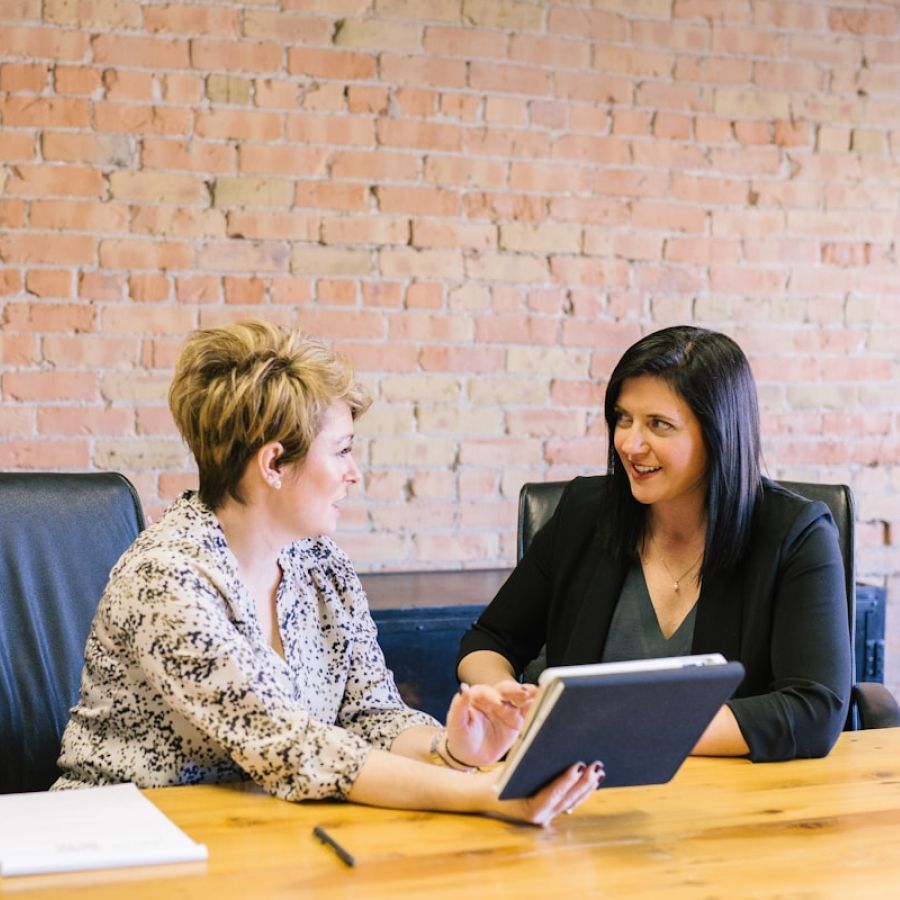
(92, 828)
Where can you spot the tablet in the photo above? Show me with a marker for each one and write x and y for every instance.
(640, 718)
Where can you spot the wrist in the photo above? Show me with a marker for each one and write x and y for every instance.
(439, 753)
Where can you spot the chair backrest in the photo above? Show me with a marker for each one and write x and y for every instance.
(60, 534)
(538, 500)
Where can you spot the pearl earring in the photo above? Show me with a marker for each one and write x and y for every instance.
(276, 482)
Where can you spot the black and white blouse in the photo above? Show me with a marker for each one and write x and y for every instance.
(180, 686)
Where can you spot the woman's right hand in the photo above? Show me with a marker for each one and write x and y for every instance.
(563, 794)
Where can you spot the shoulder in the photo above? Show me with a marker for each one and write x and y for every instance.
(582, 501)
(784, 515)
(321, 563)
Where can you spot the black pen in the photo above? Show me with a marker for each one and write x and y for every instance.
(345, 857)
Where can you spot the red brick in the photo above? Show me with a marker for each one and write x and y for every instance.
(271, 93)
(75, 420)
(244, 290)
(299, 226)
(90, 351)
(594, 25)
(50, 386)
(467, 42)
(148, 287)
(556, 178)
(591, 87)
(63, 249)
(101, 286)
(124, 85)
(12, 213)
(365, 230)
(318, 129)
(367, 99)
(861, 21)
(52, 44)
(244, 125)
(593, 150)
(26, 77)
(150, 53)
(417, 201)
(668, 216)
(193, 155)
(460, 359)
(333, 195)
(346, 65)
(419, 135)
(243, 256)
(44, 455)
(178, 221)
(430, 71)
(126, 118)
(198, 289)
(43, 112)
(182, 19)
(139, 254)
(299, 28)
(416, 101)
(336, 292)
(49, 283)
(721, 70)
(236, 56)
(16, 147)
(67, 180)
(375, 165)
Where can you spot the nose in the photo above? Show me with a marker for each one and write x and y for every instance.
(352, 475)
(632, 440)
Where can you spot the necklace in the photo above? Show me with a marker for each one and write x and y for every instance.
(676, 582)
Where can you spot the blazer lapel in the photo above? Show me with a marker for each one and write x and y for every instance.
(717, 628)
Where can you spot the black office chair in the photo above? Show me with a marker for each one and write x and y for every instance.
(60, 534)
(872, 705)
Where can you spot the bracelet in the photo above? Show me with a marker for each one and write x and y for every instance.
(439, 759)
(459, 762)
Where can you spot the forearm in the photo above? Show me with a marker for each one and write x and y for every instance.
(485, 667)
(722, 737)
(395, 780)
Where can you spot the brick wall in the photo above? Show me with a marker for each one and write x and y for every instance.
(483, 202)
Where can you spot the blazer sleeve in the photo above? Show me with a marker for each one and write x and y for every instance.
(804, 710)
(515, 622)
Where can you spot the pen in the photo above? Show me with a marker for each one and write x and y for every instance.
(327, 839)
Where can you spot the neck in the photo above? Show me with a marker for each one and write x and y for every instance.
(681, 526)
(249, 536)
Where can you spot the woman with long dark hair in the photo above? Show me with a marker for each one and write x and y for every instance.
(684, 547)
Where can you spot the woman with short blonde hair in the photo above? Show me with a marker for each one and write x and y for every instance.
(233, 640)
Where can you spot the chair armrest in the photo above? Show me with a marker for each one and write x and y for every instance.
(876, 705)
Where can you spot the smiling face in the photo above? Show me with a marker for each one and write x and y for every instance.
(660, 444)
(314, 486)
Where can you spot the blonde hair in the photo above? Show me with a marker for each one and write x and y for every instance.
(241, 386)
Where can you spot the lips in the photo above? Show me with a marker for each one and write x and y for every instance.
(644, 471)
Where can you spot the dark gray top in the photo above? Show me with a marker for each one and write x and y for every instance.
(634, 632)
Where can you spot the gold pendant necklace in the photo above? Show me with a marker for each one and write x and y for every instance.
(676, 581)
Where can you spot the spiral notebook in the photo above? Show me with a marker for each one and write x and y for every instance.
(640, 718)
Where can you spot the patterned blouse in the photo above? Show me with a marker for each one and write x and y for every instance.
(180, 686)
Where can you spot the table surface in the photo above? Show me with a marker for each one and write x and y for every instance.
(720, 828)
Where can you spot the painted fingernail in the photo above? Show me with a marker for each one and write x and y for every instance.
(581, 768)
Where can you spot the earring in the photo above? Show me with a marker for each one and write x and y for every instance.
(275, 481)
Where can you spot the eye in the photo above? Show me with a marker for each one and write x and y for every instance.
(661, 425)
(622, 419)
(346, 451)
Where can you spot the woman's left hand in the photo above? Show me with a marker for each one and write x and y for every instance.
(484, 720)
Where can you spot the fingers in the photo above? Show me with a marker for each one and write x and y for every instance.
(567, 792)
(507, 702)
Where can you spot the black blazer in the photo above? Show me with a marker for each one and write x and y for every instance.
(782, 613)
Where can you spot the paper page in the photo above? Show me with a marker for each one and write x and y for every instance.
(93, 828)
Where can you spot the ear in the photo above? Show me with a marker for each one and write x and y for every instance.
(266, 462)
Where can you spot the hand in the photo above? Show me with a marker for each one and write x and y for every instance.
(484, 720)
(563, 794)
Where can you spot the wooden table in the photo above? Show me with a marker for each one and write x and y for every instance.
(721, 828)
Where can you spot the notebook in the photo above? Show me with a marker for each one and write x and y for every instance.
(640, 718)
(91, 828)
